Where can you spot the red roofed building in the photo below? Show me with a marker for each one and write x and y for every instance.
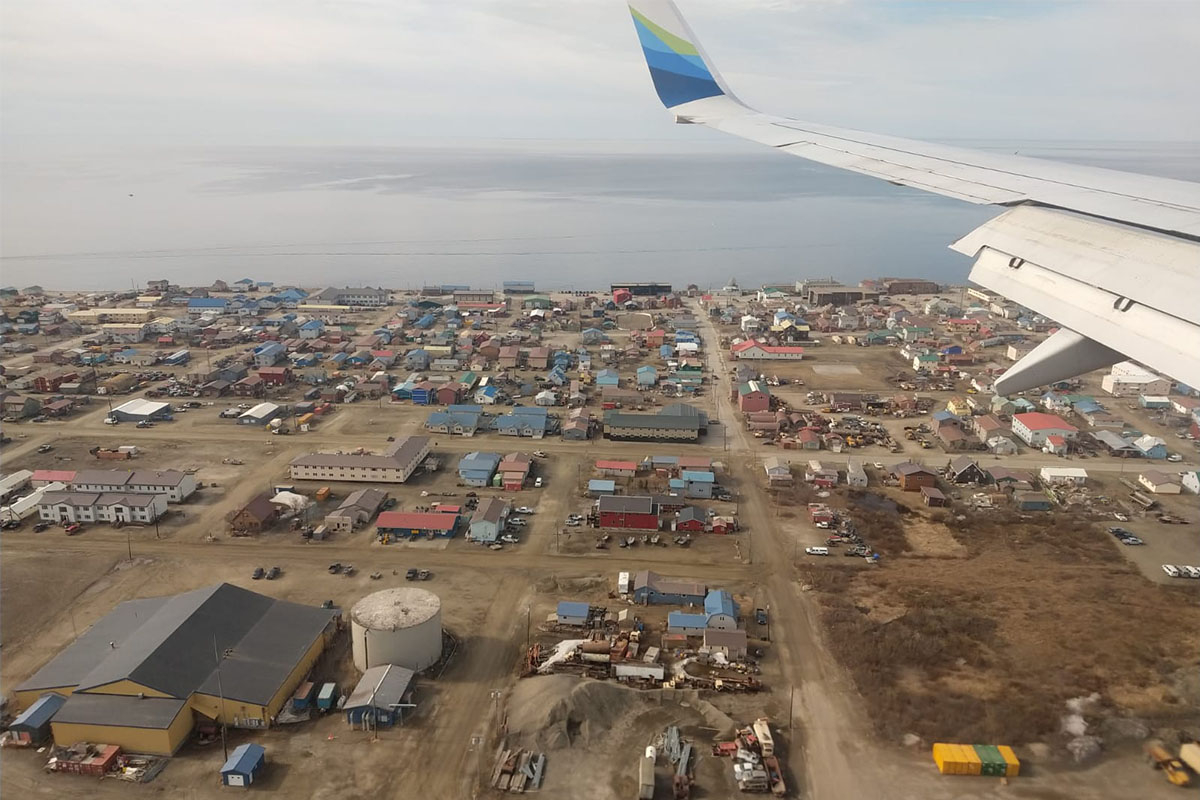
(1055, 444)
(44, 477)
(752, 350)
(394, 525)
(617, 469)
(1033, 428)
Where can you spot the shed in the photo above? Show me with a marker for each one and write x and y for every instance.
(571, 613)
(32, 726)
(933, 496)
(244, 764)
(379, 696)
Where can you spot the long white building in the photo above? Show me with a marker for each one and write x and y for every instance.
(397, 463)
(176, 486)
(1127, 379)
(101, 507)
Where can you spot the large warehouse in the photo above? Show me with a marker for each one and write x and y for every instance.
(141, 410)
(146, 673)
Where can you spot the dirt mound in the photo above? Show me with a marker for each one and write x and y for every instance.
(557, 711)
(553, 584)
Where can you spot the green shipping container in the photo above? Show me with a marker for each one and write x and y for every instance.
(992, 763)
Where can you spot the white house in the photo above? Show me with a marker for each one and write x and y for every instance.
(1059, 476)
(1033, 428)
(1160, 482)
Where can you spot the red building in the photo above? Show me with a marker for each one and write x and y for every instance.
(753, 396)
(620, 296)
(275, 376)
(628, 513)
(690, 519)
(449, 395)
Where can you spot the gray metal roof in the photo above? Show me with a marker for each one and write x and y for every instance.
(120, 710)
(171, 644)
(630, 504)
(621, 419)
(387, 683)
(79, 658)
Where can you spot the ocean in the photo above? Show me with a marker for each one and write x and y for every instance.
(566, 215)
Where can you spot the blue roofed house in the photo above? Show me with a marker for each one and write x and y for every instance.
(647, 376)
(455, 423)
(527, 421)
(268, 353)
(557, 376)
(698, 483)
(477, 469)
(599, 487)
(313, 329)
(686, 623)
(487, 395)
(721, 610)
(593, 336)
(199, 305)
(572, 613)
(416, 359)
(608, 377)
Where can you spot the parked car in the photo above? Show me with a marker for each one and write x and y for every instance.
(760, 616)
(537, 482)
(508, 538)
(74, 529)
(539, 454)
(424, 574)
(41, 526)
(411, 574)
(1171, 570)
(817, 551)
(523, 510)
(46, 448)
(1191, 572)
(258, 573)
(273, 573)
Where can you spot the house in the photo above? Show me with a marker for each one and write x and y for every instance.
(698, 483)
(1032, 501)
(628, 512)
(527, 421)
(396, 464)
(1160, 482)
(729, 643)
(608, 377)
(1033, 428)
(933, 497)
(254, 517)
(752, 350)
(488, 521)
(1151, 447)
(1001, 446)
(1055, 445)
(779, 473)
(598, 487)
(21, 406)
(572, 613)
(1062, 476)
(267, 353)
(690, 519)
(965, 469)
(753, 396)
(721, 610)
(650, 588)
(173, 485)
(677, 422)
(101, 507)
(477, 468)
(617, 469)
(514, 470)
(913, 477)
(275, 376)
(357, 509)
(685, 624)
(1007, 478)
(820, 475)
(395, 525)
(987, 426)
(455, 423)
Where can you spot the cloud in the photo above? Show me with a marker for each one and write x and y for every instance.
(272, 72)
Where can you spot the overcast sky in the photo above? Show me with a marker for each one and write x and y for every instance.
(81, 73)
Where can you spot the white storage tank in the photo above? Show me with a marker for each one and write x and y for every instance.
(401, 626)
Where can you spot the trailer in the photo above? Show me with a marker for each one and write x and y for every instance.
(646, 778)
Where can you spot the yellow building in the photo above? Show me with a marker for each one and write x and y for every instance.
(143, 676)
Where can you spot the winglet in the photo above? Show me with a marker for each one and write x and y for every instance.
(679, 67)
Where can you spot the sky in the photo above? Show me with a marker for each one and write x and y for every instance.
(77, 74)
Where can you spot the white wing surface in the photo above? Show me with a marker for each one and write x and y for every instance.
(1113, 257)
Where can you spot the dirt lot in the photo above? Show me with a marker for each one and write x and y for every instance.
(987, 639)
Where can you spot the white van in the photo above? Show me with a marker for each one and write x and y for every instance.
(817, 551)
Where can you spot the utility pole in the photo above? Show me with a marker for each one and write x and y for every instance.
(221, 695)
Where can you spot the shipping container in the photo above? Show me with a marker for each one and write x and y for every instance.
(327, 696)
(976, 759)
(323, 494)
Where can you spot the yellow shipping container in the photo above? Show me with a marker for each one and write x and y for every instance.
(956, 759)
(1014, 764)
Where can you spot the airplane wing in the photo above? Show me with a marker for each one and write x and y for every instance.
(1113, 257)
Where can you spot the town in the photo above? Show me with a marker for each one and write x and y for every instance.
(649, 539)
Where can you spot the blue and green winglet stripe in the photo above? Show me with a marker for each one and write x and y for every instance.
(678, 71)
